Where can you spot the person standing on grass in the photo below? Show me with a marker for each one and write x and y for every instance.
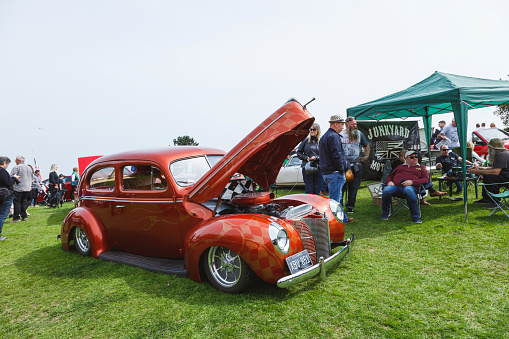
(21, 189)
(308, 152)
(352, 140)
(36, 187)
(332, 159)
(449, 135)
(6, 191)
(434, 137)
(53, 185)
(75, 178)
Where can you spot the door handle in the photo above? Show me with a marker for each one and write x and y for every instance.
(119, 206)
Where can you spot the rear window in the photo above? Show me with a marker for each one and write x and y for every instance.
(103, 178)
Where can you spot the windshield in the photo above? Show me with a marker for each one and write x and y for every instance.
(187, 172)
(490, 133)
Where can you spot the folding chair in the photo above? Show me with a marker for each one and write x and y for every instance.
(500, 199)
(402, 203)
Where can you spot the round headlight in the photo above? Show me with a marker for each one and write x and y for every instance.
(337, 210)
(279, 237)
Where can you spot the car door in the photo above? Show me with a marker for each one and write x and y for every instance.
(146, 220)
(291, 172)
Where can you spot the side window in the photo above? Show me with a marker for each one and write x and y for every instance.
(103, 178)
(143, 177)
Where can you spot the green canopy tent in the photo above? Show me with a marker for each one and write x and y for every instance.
(440, 93)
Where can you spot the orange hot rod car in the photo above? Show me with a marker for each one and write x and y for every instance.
(194, 212)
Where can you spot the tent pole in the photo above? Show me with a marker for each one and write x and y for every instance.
(461, 116)
(427, 129)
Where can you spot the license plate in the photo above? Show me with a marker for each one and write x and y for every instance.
(299, 261)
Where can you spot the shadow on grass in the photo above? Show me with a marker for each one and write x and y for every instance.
(59, 267)
(62, 267)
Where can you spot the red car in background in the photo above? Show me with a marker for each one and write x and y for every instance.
(482, 137)
(67, 195)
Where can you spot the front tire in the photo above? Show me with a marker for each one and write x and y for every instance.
(226, 270)
(81, 242)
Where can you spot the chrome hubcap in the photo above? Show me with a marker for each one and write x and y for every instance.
(224, 266)
(82, 240)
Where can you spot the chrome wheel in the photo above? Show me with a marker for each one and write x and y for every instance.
(226, 270)
(81, 242)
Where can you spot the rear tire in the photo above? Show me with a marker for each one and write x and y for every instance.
(226, 270)
(81, 242)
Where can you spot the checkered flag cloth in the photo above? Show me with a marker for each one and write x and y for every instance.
(237, 187)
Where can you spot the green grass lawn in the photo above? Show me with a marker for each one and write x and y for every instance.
(441, 278)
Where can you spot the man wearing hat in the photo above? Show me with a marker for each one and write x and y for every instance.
(404, 182)
(498, 172)
(332, 158)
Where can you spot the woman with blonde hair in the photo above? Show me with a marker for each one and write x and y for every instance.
(476, 156)
(53, 185)
(308, 152)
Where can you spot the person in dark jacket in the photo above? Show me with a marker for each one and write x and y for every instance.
(332, 159)
(6, 198)
(447, 160)
(309, 152)
(53, 185)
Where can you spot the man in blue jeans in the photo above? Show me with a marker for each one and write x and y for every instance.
(6, 182)
(352, 140)
(404, 182)
(332, 159)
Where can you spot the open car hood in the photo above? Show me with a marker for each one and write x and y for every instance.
(260, 154)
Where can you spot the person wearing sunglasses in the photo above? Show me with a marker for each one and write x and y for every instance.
(428, 186)
(446, 161)
(308, 152)
(405, 181)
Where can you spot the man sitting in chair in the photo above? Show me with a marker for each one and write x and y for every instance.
(446, 161)
(428, 186)
(404, 182)
(498, 172)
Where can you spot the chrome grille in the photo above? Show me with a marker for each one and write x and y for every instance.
(319, 227)
(306, 236)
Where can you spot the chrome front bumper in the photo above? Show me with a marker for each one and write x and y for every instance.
(318, 269)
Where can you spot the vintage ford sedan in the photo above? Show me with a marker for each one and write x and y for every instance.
(201, 213)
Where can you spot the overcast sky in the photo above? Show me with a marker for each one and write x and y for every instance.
(81, 78)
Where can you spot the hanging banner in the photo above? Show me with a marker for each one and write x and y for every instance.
(386, 140)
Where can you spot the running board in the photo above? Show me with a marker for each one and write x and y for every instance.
(167, 266)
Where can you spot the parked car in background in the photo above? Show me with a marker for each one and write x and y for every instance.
(183, 210)
(41, 198)
(291, 173)
(482, 137)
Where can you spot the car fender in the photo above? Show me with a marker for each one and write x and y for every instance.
(337, 229)
(87, 220)
(248, 236)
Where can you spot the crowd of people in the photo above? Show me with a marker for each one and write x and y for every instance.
(327, 160)
(448, 134)
(21, 188)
